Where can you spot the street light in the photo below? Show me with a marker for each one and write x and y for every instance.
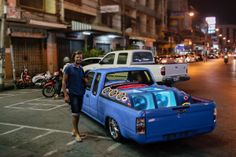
(191, 14)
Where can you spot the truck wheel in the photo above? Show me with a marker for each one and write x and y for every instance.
(114, 129)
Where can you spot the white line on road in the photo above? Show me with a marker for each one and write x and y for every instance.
(33, 139)
(11, 131)
(51, 152)
(51, 130)
(112, 147)
(71, 143)
(9, 106)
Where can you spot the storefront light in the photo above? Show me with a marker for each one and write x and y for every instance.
(86, 33)
(112, 36)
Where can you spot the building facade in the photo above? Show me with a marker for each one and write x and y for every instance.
(40, 33)
(227, 37)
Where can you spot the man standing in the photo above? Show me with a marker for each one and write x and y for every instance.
(74, 81)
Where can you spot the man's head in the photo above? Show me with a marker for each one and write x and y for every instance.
(77, 57)
(66, 59)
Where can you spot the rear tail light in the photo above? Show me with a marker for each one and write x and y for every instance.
(140, 126)
(163, 71)
(215, 114)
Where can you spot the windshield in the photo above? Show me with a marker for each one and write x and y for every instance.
(142, 57)
(137, 76)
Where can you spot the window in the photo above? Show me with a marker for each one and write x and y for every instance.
(89, 76)
(142, 57)
(90, 61)
(96, 83)
(129, 76)
(109, 59)
(34, 4)
(122, 58)
(48, 6)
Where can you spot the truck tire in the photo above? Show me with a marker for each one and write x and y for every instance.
(114, 130)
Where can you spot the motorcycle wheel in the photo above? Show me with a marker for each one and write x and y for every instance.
(48, 91)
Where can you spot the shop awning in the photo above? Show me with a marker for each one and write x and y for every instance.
(79, 26)
(48, 24)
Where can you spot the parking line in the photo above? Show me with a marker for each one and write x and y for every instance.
(51, 152)
(71, 143)
(10, 106)
(112, 147)
(51, 130)
(11, 131)
(33, 139)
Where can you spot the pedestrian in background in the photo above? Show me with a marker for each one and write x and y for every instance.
(74, 81)
(66, 62)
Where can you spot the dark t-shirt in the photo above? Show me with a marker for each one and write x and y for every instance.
(75, 82)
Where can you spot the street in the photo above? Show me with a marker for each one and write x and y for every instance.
(32, 125)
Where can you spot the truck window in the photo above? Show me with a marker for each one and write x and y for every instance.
(122, 58)
(142, 57)
(109, 59)
(89, 77)
(96, 82)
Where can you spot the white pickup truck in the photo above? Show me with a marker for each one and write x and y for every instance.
(163, 73)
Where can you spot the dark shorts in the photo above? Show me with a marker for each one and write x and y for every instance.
(76, 103)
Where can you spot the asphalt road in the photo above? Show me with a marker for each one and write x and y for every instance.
(31, 125)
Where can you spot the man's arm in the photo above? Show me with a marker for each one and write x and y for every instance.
(64, 82)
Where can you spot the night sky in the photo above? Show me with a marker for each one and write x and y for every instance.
(224, 10)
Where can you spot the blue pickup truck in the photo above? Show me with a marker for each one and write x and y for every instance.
(129, 103)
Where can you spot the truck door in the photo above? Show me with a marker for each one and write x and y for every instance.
(86, 101)
(94, 96)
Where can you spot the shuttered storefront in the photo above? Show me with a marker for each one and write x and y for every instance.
(29, 52)
(66, 47)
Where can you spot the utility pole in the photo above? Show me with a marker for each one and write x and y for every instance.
(2, 37)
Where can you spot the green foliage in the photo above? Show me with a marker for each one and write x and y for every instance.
(92, 53)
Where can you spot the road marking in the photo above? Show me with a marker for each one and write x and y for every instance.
(11, 131)
(112, 147)
(71, 142)
(28, 102)
(33, 139)
(101, 137)
(6, 95)
(9, 106)
(51, 130)
(15, 94)
(51, 152)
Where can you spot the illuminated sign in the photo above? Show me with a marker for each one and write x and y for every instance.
(109, 9)
(211, 21)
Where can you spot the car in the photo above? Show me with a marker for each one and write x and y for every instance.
(90, 60)
(129, 103)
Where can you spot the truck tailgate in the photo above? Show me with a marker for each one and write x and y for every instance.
(165, 121)
(175, 69)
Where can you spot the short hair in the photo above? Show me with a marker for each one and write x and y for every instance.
(76, 53)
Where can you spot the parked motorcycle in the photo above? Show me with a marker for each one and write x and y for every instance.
(50, 88)
(41, 79)
(226, 59)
